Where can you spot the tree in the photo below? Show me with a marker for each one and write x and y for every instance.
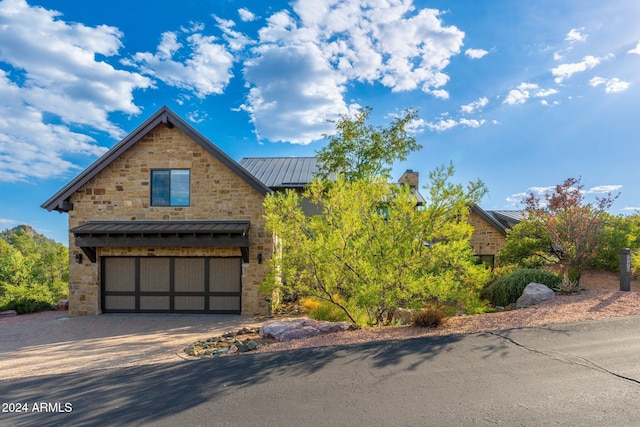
(573, 226)
(360, 151)
(372, 250)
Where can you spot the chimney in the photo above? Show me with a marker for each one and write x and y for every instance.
(411, 178)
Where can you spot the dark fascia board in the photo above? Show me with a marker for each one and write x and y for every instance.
(60, 200)
(491, 220)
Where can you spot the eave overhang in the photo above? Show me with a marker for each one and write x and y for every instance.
(105, 234)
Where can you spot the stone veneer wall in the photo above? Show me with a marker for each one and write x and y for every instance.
(485, 240)
(121, 192)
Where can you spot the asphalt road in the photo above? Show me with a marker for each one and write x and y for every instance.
(584, 374)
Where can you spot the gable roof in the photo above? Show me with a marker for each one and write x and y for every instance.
(60, 200)
(282, 172)
(489, 218)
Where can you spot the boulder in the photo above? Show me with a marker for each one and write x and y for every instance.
(8, 313)
(281, 330)
(63, 304)
(534, 294)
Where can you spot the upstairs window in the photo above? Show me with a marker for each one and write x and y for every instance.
(170, 187)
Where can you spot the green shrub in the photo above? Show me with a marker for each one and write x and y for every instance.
(507, 289)
(27, 305)
(428, 318)
(324, 310)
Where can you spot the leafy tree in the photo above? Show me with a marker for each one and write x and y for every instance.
(372, 250)
(573, 226)
(617, 232)
(360, 151)
(528, 244)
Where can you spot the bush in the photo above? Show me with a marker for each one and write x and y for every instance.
(509, 287)
(26, 305)
(324, 310)
(428, 318)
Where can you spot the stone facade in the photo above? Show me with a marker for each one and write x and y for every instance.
(121, 192)
(486, 239)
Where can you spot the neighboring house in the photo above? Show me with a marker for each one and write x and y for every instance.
(490, 231)
(165, 222)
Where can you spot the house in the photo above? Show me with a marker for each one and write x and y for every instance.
(490, 231)
(165, 222)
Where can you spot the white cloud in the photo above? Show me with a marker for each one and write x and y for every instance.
(576, 36)
(520, 94)
(631, 209)
(636, 49)
(246, 15)
(475, 53)
(604, 189)
(564, 71)
(56, 82)
(337, 43)
(7, 223)
(541, 190)
(207, 70)
(236, 40)
(294, 93)
(543, 93)
(446, 124)
(613, 85)
(516, 199)
(475, 106)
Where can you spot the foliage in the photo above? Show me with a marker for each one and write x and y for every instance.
(324, 310)
(360, 151)
(617, 232)
(32, 268)
(26, 305)
(375, 249)
(507, 289)
(573, 226)
(428, 318)
(527, 245)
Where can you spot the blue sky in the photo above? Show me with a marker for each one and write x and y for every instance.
(521, 94)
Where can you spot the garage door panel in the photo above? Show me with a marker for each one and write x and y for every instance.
(195, 303)
(189, 275)
(162, 303)
(155, 274)
(224, 275)
(120, 302)
(122, 274)
(224, 303)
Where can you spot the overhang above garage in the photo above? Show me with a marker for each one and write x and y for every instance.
(105, 234)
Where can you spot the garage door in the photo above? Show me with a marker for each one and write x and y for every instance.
(171, 285)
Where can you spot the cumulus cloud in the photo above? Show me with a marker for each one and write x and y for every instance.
(7, 223)
(576, 36)
(55, 73)
(446, 124)
(207, 70)
(636, 49)
(604, 189)
(246, 15)
(475, 106)
(339, 42)
(613, 85)
(520, 94)
(475, 53)
(565, 71)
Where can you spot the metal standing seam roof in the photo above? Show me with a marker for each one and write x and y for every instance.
(162, 227)
(281, 172)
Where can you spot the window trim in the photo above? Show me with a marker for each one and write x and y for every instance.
(169, 204)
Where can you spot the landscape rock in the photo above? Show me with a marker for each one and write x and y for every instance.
(404, 315)
(8, 313)
(281, 330)
(534, 294)
(63, 304)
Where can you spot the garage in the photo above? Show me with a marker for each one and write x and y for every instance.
(171, 284)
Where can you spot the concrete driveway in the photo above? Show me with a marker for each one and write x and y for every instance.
(52, 343)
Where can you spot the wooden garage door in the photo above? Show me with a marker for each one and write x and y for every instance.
(171, 285)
